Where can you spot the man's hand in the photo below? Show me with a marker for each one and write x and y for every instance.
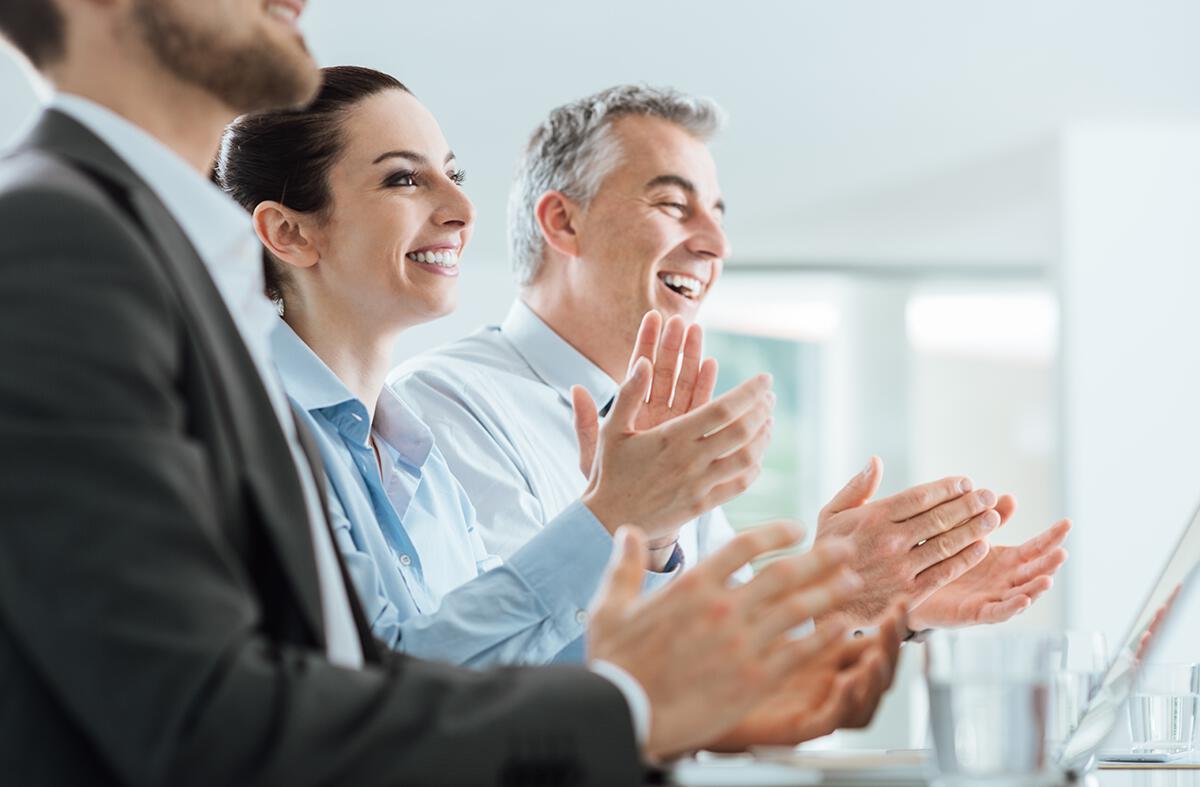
(1003, 584)
(672, 393)
(840, 687)
(911, 544)
(705, 652)
(666, 475)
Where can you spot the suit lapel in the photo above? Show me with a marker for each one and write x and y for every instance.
(269, 469)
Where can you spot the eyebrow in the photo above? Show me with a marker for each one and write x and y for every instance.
(683, 183)
(410, 155)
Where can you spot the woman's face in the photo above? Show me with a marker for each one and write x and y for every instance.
(390, 244)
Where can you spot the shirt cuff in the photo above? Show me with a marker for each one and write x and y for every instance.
(635, 696)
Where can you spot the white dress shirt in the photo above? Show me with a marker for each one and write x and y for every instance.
(499, 404)
(222, 234)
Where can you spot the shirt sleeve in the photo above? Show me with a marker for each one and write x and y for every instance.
(527, 610)
(713, 532)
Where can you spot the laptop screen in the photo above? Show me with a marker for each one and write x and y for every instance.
(1103, 712)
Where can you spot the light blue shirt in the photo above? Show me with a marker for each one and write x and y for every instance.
(408, 535)
(499, 405)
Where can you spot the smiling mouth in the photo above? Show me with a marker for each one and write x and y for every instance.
(687, 286)
(446, 258)
(287, 13)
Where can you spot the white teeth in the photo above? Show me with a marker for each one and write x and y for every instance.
(689, 285)
(443, 259)
(283, 13)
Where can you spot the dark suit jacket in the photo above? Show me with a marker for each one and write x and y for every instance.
(159, 609)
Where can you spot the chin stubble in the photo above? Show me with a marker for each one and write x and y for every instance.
(248, 76)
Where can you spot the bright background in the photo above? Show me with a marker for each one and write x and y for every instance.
(966, 239)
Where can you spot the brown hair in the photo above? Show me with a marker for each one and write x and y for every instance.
(285, 155)
(35, 27)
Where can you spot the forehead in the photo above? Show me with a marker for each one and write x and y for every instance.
(652, 146)
(391, 120)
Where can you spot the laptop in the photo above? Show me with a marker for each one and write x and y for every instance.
(771, 765)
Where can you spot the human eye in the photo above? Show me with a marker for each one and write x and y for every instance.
(401, 179)
(458, 176)
(673, 207)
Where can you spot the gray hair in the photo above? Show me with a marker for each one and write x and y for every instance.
(574, 149)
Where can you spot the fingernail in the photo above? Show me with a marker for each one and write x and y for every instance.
(987, 497)
(965, 485)
(870, 466)
(991, 520)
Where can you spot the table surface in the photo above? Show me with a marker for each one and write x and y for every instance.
(745, 771)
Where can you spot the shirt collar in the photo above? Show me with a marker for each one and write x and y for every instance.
(314, 387)
(552, 358)
(211, 220)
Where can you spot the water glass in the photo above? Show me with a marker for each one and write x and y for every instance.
(1078, 660)
(1162, 708)
(989, 698)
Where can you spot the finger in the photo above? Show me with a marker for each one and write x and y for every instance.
(858, 490)
(955, 540)
(630, 397)
(790, 610)
(689, 370)
(722, 493)
(951, 514)
(1033, 588)
(706, 383)
(738, 433)
(622, 582)
(747, 459)
(941, 574)
(795, 572)
(647, 339)
(1045, 541)
(587, 427)
(874, 678)
(1000, 611)
(747, 545)
(1046, 565)
(788, 655)
(1006, 506)
(919, 499)
(723, 410)
(666, 362)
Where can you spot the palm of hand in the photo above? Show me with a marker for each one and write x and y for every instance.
(1004, 584)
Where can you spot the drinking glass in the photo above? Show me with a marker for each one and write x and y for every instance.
(989, 697)
(1162, 708)
(1078, 660)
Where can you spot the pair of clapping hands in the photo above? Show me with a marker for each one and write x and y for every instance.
(720, 662)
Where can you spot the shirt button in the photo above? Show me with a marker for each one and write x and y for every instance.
(405, 560)
(581, 616)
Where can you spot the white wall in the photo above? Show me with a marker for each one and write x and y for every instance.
(1129, 278)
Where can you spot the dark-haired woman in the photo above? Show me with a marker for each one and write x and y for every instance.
(357, 198)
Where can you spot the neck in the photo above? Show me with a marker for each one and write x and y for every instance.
(186, 119)
(358, 354)
(567, 315)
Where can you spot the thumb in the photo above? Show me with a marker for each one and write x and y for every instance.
(632, 396)
(587, 427)
(622, 582)
(859, 489)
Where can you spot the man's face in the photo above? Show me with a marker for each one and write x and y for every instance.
(248, 54)
(652, 236)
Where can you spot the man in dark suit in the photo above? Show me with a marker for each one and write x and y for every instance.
(171, 609)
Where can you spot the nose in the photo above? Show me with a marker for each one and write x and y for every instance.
(708, 239)
(454, 208)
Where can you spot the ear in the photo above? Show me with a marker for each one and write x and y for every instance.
(289, 235)
(556, 215)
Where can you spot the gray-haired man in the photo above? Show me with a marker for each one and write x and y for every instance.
(617, 211)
